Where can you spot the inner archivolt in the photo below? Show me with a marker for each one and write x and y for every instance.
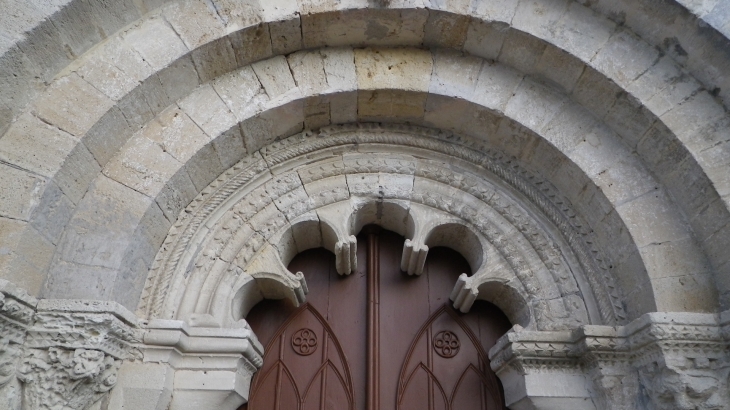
(317, 189)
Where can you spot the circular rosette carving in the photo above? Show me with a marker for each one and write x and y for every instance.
(304, 342)
(446, 344)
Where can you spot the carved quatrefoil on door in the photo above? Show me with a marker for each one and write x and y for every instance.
(446, 344)
(304, 342)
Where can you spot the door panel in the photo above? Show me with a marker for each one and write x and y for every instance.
(304, 368)
(430, 356)
(457, 366)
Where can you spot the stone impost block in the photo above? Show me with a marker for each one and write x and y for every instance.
(211, 366)
(665, 355)
(74, 345)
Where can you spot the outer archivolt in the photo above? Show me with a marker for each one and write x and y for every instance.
(249, 206)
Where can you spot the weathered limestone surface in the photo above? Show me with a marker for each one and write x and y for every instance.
(174, 155)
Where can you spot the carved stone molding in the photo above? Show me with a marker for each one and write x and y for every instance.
(515, 230)
(659, 361)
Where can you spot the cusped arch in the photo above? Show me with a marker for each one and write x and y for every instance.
(517, 247)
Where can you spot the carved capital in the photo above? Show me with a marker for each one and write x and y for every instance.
(65, 354)
(61, 379)
(685, 387)
(660, 361)
(682, 361)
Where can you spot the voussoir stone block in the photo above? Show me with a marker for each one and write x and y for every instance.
(339, 66)
(35, 146)
(485, 38)
(454, 74)
(143, 166)
(582, 32)
(20, 201)
(276, 77)
(401, 69)
(194, 32)
(72, 104)
(308, 71)
(210, 113)
(115, 70)
(242, 92)
(495, 10)
(156, 42)
(613, 62)
(103, 225)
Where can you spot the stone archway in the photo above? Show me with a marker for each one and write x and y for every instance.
(602, 126)
(230, 248)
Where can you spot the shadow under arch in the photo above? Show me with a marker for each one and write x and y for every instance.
(339, 297)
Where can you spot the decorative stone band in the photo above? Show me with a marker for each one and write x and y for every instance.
(60, 354)
(659, 361)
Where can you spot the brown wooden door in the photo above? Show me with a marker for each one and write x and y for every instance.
(377, 339)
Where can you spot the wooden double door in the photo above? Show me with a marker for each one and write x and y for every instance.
(377, 339)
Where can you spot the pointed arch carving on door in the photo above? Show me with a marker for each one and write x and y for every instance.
(427, 358)
(323, 354)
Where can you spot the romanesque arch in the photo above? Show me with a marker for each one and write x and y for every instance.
(169, 158)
